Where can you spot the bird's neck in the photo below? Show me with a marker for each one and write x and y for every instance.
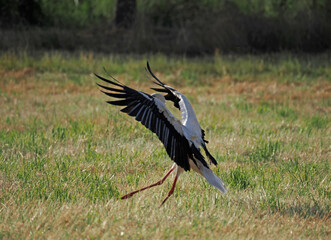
(189, 118)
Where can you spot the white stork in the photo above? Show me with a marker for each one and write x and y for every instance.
(181, 139)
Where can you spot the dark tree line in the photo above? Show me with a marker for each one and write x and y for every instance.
(29, 12)
(125, 13)
(21, 12)
(176, 26)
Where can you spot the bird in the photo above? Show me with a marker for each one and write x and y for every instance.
(182, 139)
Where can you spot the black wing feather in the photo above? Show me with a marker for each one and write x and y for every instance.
(211, 158)
(143, 107)
(160, 90)
(116, 95)
(120, 102)
(111, 89)
(109, 81)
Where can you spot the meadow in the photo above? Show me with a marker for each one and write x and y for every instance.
(66, 156)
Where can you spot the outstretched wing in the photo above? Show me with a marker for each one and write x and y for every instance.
(153, 114)
(165, 89)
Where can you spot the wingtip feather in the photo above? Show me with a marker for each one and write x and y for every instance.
(109, 81)
(153, 75)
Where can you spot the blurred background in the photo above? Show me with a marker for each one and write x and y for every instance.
(190, 27)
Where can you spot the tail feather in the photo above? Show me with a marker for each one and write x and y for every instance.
(213, 179)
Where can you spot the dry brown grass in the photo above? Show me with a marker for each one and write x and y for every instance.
(129, 220)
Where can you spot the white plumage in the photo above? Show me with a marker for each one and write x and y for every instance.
(181, 139)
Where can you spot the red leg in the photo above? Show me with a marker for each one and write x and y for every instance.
(171, 191)
(153, 185)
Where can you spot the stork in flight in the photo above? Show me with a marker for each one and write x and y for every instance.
(181, 139)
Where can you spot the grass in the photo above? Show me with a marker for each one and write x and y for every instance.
(66, 156)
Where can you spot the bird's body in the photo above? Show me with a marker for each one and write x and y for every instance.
(181, 139)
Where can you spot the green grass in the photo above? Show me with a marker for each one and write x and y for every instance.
(66, 156)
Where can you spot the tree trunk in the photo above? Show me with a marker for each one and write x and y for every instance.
(30, 12)
(125, 13)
